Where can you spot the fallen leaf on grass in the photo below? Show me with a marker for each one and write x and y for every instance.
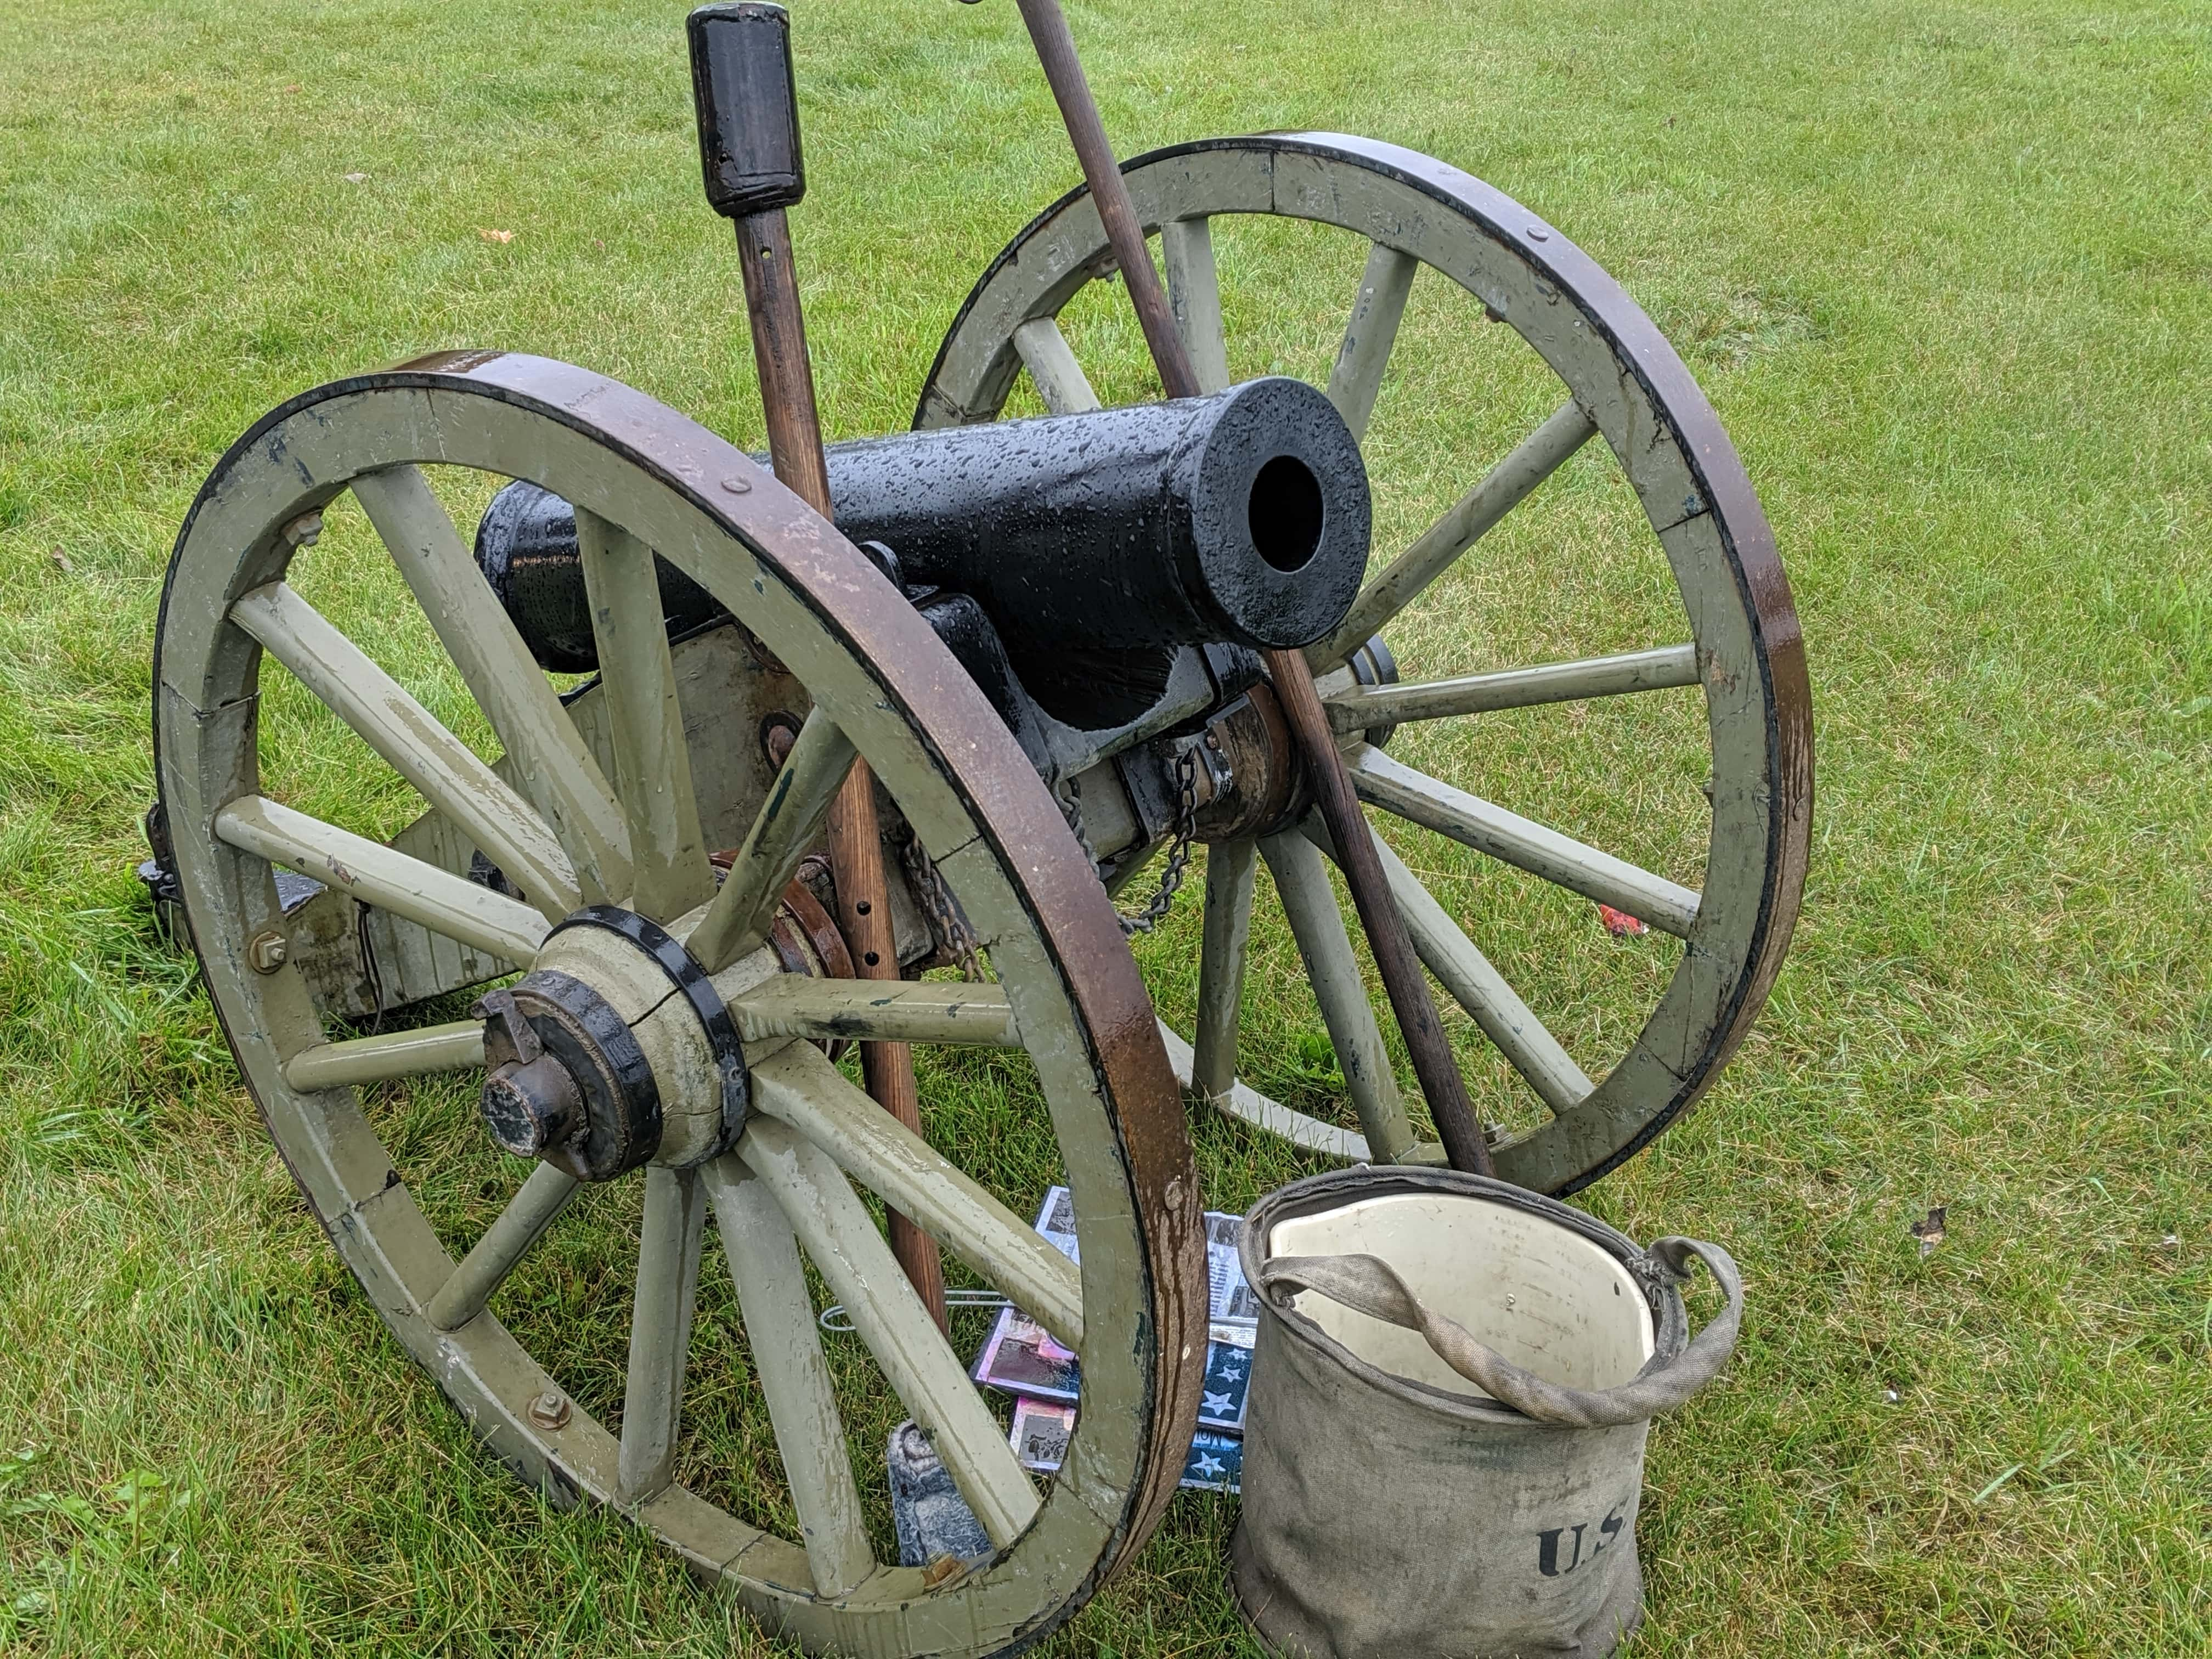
(61, 561)
(1929, 1230)
(495, 235)
(1619, 923)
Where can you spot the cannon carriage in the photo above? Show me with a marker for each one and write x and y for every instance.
(1057, 645)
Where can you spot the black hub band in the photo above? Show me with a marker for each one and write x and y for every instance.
(686, 974)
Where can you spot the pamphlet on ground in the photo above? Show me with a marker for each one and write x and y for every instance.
(1021, 1357)
(1042, 1429)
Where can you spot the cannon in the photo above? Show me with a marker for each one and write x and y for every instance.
(597, 918)
(1093, 572)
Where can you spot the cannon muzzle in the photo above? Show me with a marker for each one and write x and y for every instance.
(1239, 518)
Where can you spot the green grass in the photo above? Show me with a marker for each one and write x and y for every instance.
(1945, 271)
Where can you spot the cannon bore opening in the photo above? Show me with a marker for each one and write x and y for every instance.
(1284, 513)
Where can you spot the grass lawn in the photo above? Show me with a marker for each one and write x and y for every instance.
(1945, 271)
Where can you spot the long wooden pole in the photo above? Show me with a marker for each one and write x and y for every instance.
(856, 850)
(1445, 1090)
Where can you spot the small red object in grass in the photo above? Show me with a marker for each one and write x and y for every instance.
(1619, 923)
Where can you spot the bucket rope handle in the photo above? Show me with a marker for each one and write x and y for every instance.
(1369, 1284)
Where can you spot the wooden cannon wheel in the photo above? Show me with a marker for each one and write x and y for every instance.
(766, 1148)
(1736, 641)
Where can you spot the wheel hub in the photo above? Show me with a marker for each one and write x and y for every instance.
(565, 1079)
(568, 1077)
(1249, 745)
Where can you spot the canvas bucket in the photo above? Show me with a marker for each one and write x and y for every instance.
(1444, 1442)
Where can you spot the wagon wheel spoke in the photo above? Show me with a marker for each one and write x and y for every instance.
(801, 1089)
(842, 1239)
(439, 766)
(505, 1243)
(652, 763)
(1058, 378)
(788, 823)
(1317, 924)
(876, 1011)
(1521, 843)
(1474, 984)
(1227, 936)
(455, 1046)
(376, 874)
(1194, 293)
(556, 769)
(660, 1330)
(1368, 334)
(1248, 1104)
(1464, 523)
(1357, 708)
(794, 1377)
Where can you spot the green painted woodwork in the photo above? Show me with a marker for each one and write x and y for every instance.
(1057, 957)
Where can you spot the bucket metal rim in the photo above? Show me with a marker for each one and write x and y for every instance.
(1337, 1187)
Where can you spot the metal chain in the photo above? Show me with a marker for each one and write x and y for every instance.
(944, 913)
(1186, 828)
(1071, 808)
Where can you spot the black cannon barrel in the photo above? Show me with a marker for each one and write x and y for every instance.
(527, 548)
(1243, 517)
(1239, 518)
